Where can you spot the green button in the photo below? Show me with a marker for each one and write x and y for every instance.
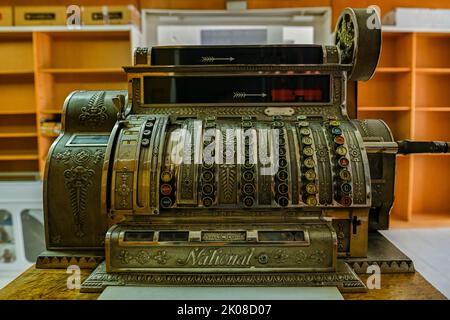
(335, 123)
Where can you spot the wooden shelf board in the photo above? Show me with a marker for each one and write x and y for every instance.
(99, 28)
(48, 135)
(18, 134)
(16, 72)
(433, 70)
(392, 69)
(422, 220)
(51, 111)
(81, 70)
(433, 109)
(376, 108)
(26, 155)
(17, 111)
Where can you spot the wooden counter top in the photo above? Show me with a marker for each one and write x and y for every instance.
(51, 284)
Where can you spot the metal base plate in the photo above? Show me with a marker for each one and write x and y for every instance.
(344, 278)
(384, 254)
(63, 259)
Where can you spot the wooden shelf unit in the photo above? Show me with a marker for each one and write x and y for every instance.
(414, 78)
(39, 67)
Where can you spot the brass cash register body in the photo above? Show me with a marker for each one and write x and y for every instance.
(223, 165)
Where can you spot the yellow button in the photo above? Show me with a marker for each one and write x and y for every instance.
(341, 150)
(305, 131)
(310, 175)
(311, 188)
(166, 176)
(344, 174)
(308, 151)
(309, 163)
(311, 201)
(307, 140)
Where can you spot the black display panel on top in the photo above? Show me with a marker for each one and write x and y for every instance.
(239, 54)
(242, 89)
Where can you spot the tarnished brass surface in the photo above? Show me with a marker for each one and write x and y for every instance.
(233, 165)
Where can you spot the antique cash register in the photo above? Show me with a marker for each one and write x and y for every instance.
(226, 166)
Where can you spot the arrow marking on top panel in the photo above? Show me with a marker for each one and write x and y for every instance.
(212, 59)
(243, 95)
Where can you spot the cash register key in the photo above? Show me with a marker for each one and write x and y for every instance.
(343, 162)
(346, 187)
(339, 140)
(249, 201)
(148, 125)
(283, 201)
(282, 175)
(207, 176)
(344, 174)
(166, 176)
(335, 123)
(307, 141)
(309, 163)
(147, 133)
(308, 151)
(336, 131)
(207, 201)
(283, 188)
(282, 163)
(311, 188)
(341, 150)
(248, 175)
(311, 201)
(346, 201)
(166, 202)
(302, 117)
(166, 189)
(310, 175)
(248, 188)
(303, 124)
(207, 189)
(305, 131)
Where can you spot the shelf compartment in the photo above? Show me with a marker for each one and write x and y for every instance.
(16, 52)
(396, 50)
(401, 209)
(17, 126)
(56, 87)
(17, 94)
(18, 149)
(432, 51)
(83, 70)
(398, 122)
(19, 170)
(432, 126)
(432, 90)
(386, 89)
(393, 69)
(431, 184)
(381, 108)
(82, 50)
(433, 70)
